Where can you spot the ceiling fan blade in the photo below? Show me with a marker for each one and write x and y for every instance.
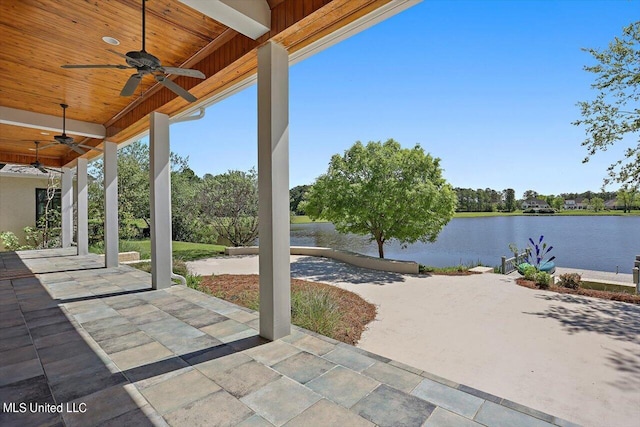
(121, 67)
(131, 85)
(89, 147)
(42, 169)
(175, 88)
(76, 149)
(49, 145)
(184, 72)
(135, 61)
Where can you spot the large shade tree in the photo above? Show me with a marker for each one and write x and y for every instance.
(230, 203)
(614, 115)
(384, 191)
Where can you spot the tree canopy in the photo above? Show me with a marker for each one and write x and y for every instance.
(384, 191)
(230, 203)
(614, 114)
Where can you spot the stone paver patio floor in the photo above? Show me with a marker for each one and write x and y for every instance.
(111, 351)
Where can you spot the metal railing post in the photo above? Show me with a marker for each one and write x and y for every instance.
(504, 265)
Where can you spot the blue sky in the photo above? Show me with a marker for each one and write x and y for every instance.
(490, 87)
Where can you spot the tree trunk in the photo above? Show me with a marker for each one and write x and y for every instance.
(380, 248)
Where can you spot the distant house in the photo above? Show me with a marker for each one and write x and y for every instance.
(16, 210)
(569, 205)
(582, 203)
(535, 204)
(611, 204)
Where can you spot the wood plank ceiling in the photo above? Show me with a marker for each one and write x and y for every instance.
(38, 36)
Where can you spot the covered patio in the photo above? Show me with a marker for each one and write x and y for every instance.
(111, 350)
(198, 54)
(117, 346)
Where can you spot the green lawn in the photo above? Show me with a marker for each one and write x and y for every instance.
(181, 250)
(304, 219)
(600, 213)
(484, 214)
(561, 213)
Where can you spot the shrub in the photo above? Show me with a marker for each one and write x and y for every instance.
(316, 310)
(530, 272)
(10, 241)
(570, 280)
(542, 279)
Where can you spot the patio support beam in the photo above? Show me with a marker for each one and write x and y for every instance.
(66, 202)
(273, 189)
(160, 182)
(82, 207)
(29, 119)
(110, 204)
(249, 17)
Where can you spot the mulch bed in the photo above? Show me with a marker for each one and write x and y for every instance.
(243, 289)
(606, 295)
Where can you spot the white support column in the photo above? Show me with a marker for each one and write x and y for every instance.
(110, 204)
(66, 202)
(160, 183)
(273, 188)
(82, 207)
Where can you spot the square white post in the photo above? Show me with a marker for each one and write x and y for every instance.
(273, 190)
(160, 183)
(111, 204)
(82, 207)
(66, 204)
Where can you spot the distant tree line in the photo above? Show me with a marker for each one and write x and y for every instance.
(490, 200)
(485, 200)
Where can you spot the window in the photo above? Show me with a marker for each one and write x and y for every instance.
(41, 203)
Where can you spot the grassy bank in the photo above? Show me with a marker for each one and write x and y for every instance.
(181, 250)
(561, 213)
(304, 219)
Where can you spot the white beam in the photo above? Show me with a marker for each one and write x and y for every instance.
(66, 202)
(29, 119)
(160, 183)
(249, 17)
(110, 204)
(273, 189)
(82, 207)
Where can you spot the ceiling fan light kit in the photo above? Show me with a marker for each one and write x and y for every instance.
(145, 63)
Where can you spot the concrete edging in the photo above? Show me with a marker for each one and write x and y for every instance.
(359, 260)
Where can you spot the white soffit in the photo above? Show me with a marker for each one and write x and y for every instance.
(249, 17)
(29, 119)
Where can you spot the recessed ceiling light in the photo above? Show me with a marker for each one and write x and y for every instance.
(45, 133)
(111, 41)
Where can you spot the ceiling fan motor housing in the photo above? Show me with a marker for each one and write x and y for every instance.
(135, 58)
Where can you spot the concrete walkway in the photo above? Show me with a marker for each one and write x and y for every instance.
(574, 357)
(96, 346)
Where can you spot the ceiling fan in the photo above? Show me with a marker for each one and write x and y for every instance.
(65, 139)
(144, 63)
(39, 165)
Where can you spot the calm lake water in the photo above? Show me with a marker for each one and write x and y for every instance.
(590, 242)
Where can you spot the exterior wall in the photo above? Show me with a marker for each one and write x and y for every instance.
(18, 203)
